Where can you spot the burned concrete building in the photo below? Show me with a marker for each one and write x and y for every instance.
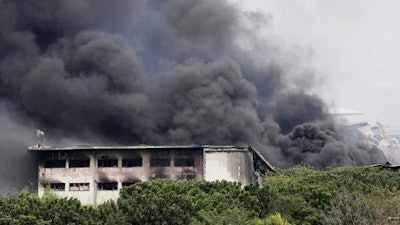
(95, 174)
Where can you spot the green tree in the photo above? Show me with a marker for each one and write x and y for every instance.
(275, 219)
(357, 208)
(306, 195)
(185, 202)
(27, 208)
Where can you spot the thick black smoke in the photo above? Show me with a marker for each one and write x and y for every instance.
(308, 144)
(156, 72)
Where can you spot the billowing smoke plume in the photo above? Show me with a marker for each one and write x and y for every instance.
(308, 144)
(157, 72)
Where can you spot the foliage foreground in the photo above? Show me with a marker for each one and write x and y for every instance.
(299, 195)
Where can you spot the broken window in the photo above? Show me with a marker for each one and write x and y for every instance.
(54, 163)
(78, 163)
(184, 162)
(79, 186)
(159, 162)
(55, 186)
(107, 186)
(132, 162)
(107, 163)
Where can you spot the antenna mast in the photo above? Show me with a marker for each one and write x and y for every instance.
(40, 137)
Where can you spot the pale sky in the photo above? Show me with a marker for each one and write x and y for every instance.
(354, 45)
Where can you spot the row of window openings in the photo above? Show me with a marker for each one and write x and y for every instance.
(86, 186)
(154, 162)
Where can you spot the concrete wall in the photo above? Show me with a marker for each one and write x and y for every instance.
(228, 165)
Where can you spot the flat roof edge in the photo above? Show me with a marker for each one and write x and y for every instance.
(130, 147)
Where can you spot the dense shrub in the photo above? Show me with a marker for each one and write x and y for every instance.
(299, 195)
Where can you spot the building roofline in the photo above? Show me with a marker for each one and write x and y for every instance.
(255, 151)
(206, 148)
(131, 147)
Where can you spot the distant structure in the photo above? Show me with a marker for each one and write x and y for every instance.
(354, 128)
(95, 174)
(388, 166)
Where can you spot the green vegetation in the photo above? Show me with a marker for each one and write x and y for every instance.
(299, 195)
(338, 196)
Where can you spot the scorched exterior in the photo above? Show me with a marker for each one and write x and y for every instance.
(95, 174)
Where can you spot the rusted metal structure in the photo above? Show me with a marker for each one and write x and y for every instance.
(94, 174)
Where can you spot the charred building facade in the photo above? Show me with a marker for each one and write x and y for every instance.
(95, 174)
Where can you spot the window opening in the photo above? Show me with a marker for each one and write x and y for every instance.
(107, 186)
(78, 163)
(132, 162)
(159, 162)
(184, 162)
(54, 163)
(129, 183)
(107, 163)
(55, 186)
(79, 186)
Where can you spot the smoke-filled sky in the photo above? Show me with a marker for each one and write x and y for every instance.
(158, 73)
(352, 43)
